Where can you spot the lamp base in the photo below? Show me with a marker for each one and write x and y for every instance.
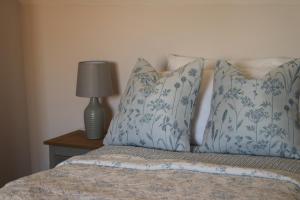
(94, 119)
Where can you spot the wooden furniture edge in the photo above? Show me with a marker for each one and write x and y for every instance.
(78, 140)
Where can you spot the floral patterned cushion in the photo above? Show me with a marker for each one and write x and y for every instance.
(155, 110)
(257, 116)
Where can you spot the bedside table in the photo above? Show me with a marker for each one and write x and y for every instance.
(68, 145)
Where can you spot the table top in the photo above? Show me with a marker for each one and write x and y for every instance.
(75, 139)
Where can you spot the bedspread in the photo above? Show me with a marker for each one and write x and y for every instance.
(137, 173)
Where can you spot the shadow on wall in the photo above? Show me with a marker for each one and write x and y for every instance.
(14, 142)
(116, 92)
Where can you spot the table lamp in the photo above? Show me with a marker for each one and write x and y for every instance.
(94, 81)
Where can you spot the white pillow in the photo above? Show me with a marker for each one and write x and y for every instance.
(251, 68)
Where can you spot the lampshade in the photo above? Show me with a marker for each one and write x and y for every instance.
(94, 79)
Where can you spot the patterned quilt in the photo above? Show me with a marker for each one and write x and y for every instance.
(137, 173)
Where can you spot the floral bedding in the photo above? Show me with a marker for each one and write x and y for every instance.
(156, 109)
(138, 173)
(255, 116)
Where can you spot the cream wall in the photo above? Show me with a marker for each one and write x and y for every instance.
(58, 34)
(14, 135)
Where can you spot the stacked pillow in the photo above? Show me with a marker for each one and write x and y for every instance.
(254, 107)
(255, 116)
(155, 110)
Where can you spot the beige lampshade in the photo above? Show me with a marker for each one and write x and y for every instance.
(94, 79)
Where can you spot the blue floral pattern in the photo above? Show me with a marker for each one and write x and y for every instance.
(155, 110)
(257, 117)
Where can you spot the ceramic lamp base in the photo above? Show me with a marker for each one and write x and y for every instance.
(94, 119)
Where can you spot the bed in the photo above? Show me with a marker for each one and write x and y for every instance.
(148, 153)
(121, 172)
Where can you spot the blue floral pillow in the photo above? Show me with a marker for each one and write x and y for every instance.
(155, 109)
(257, 117)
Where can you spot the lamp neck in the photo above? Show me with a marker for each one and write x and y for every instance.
(94, 100)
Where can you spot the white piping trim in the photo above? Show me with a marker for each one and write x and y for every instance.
(185, 166)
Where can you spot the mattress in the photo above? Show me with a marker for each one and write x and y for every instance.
(115, 172)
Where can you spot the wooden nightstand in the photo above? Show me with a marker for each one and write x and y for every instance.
(68, 145)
